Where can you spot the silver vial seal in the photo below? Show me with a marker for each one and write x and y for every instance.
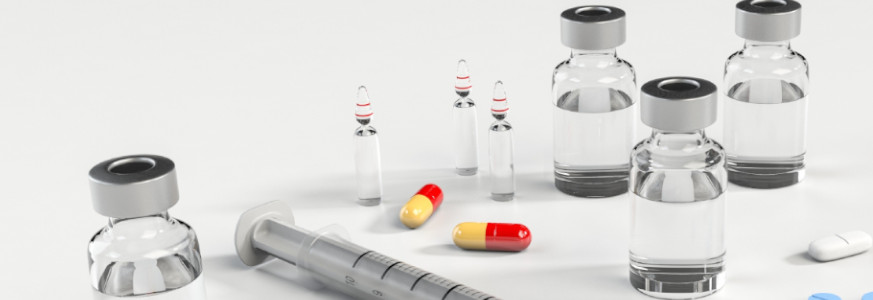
(768, 20)
(134, 186)
(593, 27)
(678, 104)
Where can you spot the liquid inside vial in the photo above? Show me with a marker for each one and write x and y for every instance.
(466, 137)
(766, 139)
(368, 166)
(677, 212)
(593, 139)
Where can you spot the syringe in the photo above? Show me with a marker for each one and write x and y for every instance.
(268, 230)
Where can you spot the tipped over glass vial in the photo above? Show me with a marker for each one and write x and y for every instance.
(678, 181)
(594, 93)
(368, 166)
(465, 135)
(767, 92)
(142, 252)
(500, 145)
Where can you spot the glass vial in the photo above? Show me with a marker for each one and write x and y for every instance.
(678, 181)
(594, 93)
(500, 145)
(767, 82)
(466, 138)
(368, 165)
(142, 252)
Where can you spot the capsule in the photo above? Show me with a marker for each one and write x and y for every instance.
(491, 236)
(419, 208)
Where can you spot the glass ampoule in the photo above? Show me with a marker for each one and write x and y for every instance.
(368, 166)
(767, 92)
(593, 93)
(678, 184)
(465, 135)
(500, 145)
(142, 252)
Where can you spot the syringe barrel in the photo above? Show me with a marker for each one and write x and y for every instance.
(371, 275)
(354, 270)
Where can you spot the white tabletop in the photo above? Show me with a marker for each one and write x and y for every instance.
(253, 100)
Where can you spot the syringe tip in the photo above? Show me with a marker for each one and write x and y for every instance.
(462, 79)
(499, 105)
(363, 108)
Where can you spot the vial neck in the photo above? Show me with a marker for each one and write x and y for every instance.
(786, 45)
(593, 53)
(115, 221)
(676, 140)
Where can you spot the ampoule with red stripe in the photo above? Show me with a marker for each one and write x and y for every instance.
(500, 147)
(367, 158)
(466, 138)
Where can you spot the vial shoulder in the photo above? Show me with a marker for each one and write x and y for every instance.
(610, 64)
(740, 68)
(133, 239)
(789, 61)
(705, 155)
(617, 73)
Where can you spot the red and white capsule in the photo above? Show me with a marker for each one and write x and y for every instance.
(463, 84)
(420, 207)
(491, 236)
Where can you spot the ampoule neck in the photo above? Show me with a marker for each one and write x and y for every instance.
(592, 53)
(500, 124)
(115, 221)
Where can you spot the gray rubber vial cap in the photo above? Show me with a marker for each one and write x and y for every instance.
(768, 20)
(679, 104)
(593, 27)
(134, 186)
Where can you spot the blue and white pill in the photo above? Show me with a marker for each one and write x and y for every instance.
(824, 296)
(867, 296)
(840, 245)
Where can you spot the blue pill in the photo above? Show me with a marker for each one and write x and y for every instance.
(825, 296)
(867, 296)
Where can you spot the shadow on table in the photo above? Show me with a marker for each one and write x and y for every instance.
(452, 250)
(271, 280)
(600, 282)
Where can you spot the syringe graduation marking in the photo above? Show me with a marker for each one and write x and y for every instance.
(449, 291)
(417, 280)
(359, 258)
(389, 269)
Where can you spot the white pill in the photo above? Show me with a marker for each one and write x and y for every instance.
(840, 245)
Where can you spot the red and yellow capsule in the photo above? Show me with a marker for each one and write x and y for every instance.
(491, 236)
(419, 208)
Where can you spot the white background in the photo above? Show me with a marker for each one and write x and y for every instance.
(254, 102)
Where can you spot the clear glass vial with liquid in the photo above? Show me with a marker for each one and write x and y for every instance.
(465, 135)
(368, 165)
(500, 145)
(678, 181)
(142, 252)
(767, 92)
(593, 93)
